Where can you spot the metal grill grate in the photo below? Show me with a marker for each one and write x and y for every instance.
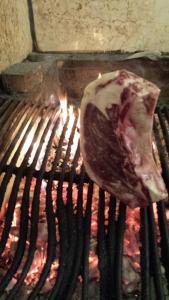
(72, 222)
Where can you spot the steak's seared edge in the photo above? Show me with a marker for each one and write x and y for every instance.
(116, 137)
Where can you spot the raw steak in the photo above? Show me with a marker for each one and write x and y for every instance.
(116, 137)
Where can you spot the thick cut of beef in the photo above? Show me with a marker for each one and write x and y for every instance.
(116, 137)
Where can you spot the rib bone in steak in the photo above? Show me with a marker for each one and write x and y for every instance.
(116, 137)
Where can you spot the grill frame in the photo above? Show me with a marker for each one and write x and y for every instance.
(74, 228)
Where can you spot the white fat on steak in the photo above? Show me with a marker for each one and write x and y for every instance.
(116, 137)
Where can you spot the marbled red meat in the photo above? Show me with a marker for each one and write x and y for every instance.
(116, 137)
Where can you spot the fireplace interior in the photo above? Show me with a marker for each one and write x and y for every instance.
(61, 237)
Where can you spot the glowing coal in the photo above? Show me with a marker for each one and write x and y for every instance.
(131, 257)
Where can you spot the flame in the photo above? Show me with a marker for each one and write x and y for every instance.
(63, 104)
(28, 142)
(78, 122)
(71, 122)
(65, 112)
(93, 265)
(131, 237)
(131, 262)
(99, 76)
(14, 221)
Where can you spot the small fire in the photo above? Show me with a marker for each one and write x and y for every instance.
(68, 111)
(41, 252)
(15, 216)
(28, 141)
(131, 258)
(71, 122)
(93, 266)
(99, 76)
(64, 108)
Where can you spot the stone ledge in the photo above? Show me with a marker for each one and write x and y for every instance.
(71, 76)
(22, 77)
(76, 70)
(33, 81)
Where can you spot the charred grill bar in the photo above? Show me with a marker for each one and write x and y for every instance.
(69, 221)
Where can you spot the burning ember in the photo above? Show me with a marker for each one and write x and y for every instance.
(70, 161)
(69, 115)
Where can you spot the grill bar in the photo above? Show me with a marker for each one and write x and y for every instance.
(15, 140)
(51, 242)
(102, 249)
(111, 242)
(164, 128)
(4, 109)
(154, 254)
(51, 221)
(119, 251)
(14, 160)
(1, 100)
(164, 237)
(163, 159)
(145, 255)
(13, 197)
(72, 234)
(79, 247)
(47, 174)
(62, 220)
(87, 233)
(35, 210)
(70, 221)
(11, 124)
(6, 117)
(166, 114)
(24, 211)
